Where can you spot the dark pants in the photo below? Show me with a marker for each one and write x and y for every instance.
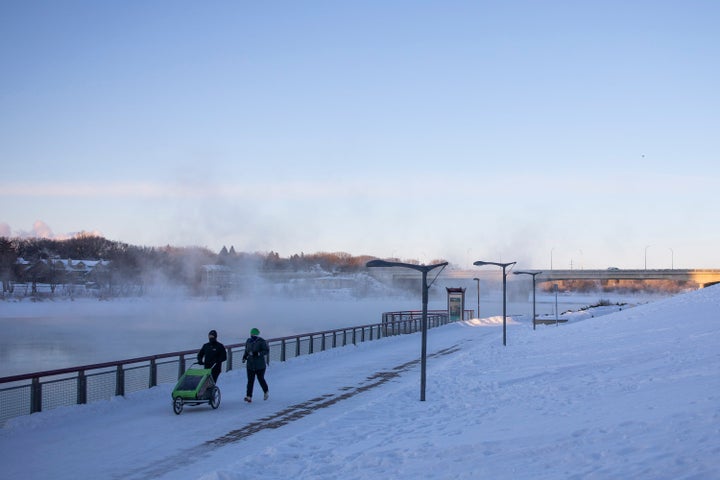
(216, 372)
(260, 374)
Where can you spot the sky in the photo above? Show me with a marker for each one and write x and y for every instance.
(585, 132)
(630, 394)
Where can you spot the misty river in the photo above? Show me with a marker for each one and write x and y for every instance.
(50, 335)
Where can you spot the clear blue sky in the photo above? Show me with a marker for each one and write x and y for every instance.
(487, 130)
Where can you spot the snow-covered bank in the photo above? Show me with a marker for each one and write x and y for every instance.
(634, 394)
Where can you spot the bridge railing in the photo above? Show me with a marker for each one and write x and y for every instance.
(39, 391)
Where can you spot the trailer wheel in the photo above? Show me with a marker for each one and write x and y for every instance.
(215, 397)
(178, 405)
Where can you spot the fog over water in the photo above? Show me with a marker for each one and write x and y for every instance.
(49, 335)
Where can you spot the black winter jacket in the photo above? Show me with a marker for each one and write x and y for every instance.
(212, 353)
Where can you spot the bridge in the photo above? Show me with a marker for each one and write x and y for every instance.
(702, 277)
(699, 277)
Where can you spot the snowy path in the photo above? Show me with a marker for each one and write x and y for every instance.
(275, 420)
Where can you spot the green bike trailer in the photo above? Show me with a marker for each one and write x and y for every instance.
(195, 387)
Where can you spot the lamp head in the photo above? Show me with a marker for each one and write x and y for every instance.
(420, 268)
(521, 272)
(377, 263)
(503, 265)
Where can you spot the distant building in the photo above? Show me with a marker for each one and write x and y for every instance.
(216, 279)
(57, 271)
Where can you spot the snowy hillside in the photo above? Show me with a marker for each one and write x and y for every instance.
(633, 394)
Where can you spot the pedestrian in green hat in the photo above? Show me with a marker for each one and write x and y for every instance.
(256, 350)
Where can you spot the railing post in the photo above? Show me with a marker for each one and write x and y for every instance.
(311, 348)
(153, 373)
(81, 388)
(282, 350)
(35, 395)
(181, 366)
(334, 342)
(229, 359)
(322, 343)
(354, 336)
(297, 346)
(120, 381)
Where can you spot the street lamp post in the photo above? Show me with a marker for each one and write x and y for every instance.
(424, 269)
(478, 296)
(672, 259)
(504, 266)
(534, 274)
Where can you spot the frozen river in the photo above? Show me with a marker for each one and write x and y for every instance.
(49, 335)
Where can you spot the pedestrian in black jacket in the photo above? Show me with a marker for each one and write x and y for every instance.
(256, 349)
(212, 354)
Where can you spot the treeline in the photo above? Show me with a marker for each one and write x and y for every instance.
(133, 267)
(272, 262)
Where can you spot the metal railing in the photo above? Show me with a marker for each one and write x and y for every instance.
(35, 392)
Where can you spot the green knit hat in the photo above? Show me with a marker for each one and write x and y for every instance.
(254, 331)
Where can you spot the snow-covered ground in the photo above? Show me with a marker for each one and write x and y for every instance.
(632, 394)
